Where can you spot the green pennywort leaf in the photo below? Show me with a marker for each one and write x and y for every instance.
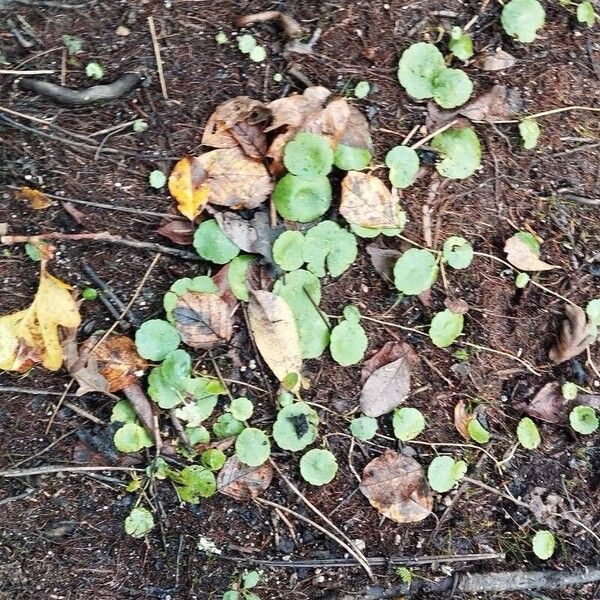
(246, 43)
(522, 19)
(451, 88)
(73, 44)
(543, 544)
(318, 467)
(241, 408)
(364, 428)
(460, 150)
(444, 473)
(461, 44)
(362, 89)
(583, 420)
(212, 244)
(123, 412)
(221, 38)
(132, 437)
(253, 447)
(415, 271)
(237, 276)
(477, 431)
(521, 280)
(295, 426)
(569, 390)
(227, 426)
(418, 67)
(196, 482)
(94, 71)
(213, 459)
(348, 343)
(155, 339)
(300, 200)
(457, 252)
(309, 156)
(403, 163)
(349, 158)
(528, 434)
(328, 244)
(157, 179)
(408, 423)
(530, 133)
(593, 311)
(139, 522)
(445, 327)
(257, 54)
(288, 250)
(586, 13)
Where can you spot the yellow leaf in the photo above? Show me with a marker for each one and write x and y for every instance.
(31, 336)
(186, 185)
(36, 199)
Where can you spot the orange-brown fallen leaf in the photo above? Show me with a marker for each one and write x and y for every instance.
(574, 335)
(225, 177)
(242, 482)
(37, 200)
(31, 336)
(396, 486)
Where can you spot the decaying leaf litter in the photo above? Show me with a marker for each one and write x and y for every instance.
(332, 256)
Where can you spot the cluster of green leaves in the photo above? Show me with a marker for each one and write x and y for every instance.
(460, 44)
(247, 45)
(131, 436)
(244, 589)
(444, 473)
(423, 73)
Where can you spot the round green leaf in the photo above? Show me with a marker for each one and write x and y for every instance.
(522, 280)
(250, 580)
(362, 89)
(593, 311)
(132, 438)
(139, 522)
(139, 125)
(372, 232)
(257, 54)
(197, 435)
(309, 156)
(157, 179)
(227, 426)
(477, 431)
(231, 595)
(253, 447)
(457, 252)
(351, 313)
(300, 200)
(348, 343)
(212, 244)
(522, 19)
(241, 408)
(415, 271)
(445, 327)
(213, 459)
(408, 423)
(528, 434)
(451, 88)
(221, 38)
(197, 482)
(444, 472)
(569, 390)
(287, 250)
(295, 426)
(363, 428)
(329, 244)
(94, 71)
(530, 132)
(543, 544)
(460, 150)
(123, 412)
(236, 276)
(318, 466)
(155, 339)
(246, 43)
(176, 367)
(461, 44)
(349, 158)
(419, 65)
(586, 13)
(403, 163)
(583, 420)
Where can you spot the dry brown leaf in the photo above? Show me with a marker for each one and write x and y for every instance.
(496, 61)
(220, 278)
(178, 230)
(388, 353)
(521, 256)
(225, 177)
(31, 335)
(383, 261)
(356, 133)
(366, 201)
(546, 510)
(202, 319)
(275, 333)
(241, 482)
(548, 404)
(117, 360)
(456, 305)
(461, 419)
(388, 386)
(396, 486)
(498, 104)
(37, 200)
(574, 335)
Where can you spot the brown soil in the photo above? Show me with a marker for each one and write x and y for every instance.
(61, 536)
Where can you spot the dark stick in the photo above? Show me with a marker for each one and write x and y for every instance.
(71, 97)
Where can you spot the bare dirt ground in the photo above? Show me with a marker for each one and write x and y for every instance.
(61, 535)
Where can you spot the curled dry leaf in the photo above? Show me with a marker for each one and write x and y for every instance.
(461, 419)
(202, 319)
(242, 482)
(383, 261)
(521, 256)
(366, 201)
(396, 486)
(225, 177)
(81, 367)
(389, 385)
(251, 235)
(388, 353)
(548, 404)
(290, 27)
(31, 336)
(496, 61)
(116, 358)
(498, 104)
(545, 509)
(178, 230)
(37, 200)
(574, 335)
(355, 131)
(275, 333)
(221, 280)
(456, 305)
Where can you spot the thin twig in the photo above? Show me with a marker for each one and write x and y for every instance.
(58, 405)
(35, 72)
(159, 65)
(433, 134)
(46, 469)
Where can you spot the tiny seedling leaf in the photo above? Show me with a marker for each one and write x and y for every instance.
(309, 156)
(252, 447)
(583, 420)
(457, 252)
(569, 390)
(237, 276)
(157, 179)
(363, 428)
(451, 88)
(318, 467)
(155, 339)
(593, 311)
(227, 426)
(530, 133)
(246, 43)
(94, 71)
(461, 44)
(73, 44)
(415, 271)
(528, 434)
(445, 327)
(522, 280)
(460, 150)
(122, 412)
(250, 580)
(139, 522)
(349, 158)
(522, 19)
(408, 423)
(444, 473)
(362, 89)
(300, 200)
(196, 482)
(477, 431)
(221, 38)
(288, 250)
(213, 459)
(257, 54)
(403, 163)
(543, 544)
